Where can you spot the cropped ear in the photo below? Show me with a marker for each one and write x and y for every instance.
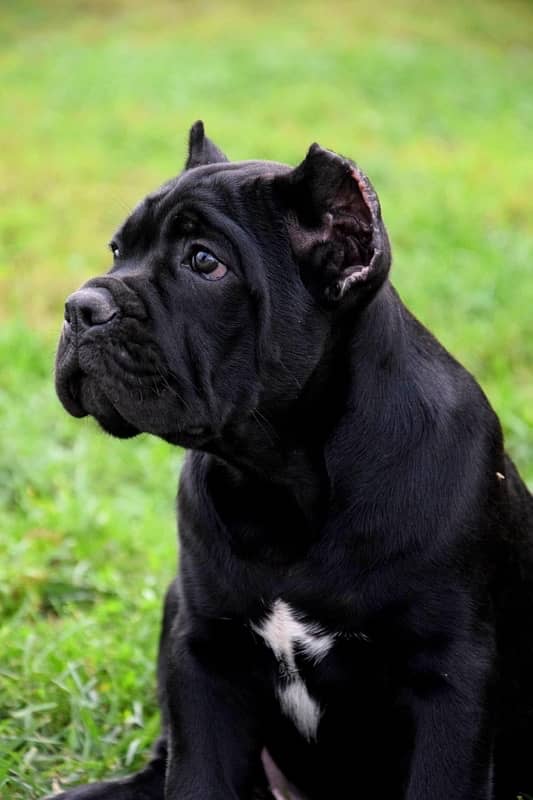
(335, 226)
(202, 151)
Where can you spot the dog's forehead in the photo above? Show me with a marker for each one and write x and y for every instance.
(219, 178)
(209, 184)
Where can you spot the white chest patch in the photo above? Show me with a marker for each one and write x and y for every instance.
(287, 635)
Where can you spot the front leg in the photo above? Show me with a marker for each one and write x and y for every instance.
(452, 758)
(215, 696)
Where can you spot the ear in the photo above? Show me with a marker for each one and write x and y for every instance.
(202, 151)
(335, 226)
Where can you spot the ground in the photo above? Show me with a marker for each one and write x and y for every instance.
(433, 100)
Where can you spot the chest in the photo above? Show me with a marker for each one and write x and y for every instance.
(315, 667)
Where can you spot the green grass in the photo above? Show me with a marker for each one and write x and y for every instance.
(434, 101)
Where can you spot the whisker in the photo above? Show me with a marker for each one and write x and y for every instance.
(172, 389)
(267, 429)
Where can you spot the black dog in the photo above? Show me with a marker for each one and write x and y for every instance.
(354, 601)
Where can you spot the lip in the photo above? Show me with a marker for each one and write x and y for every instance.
(68, 394)
(72, 386)
(68, 374)
(84, 391)
(75, 390)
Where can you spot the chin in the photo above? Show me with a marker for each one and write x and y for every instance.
(82, 397)
(193, 439)
(114, 408)
(117, 426)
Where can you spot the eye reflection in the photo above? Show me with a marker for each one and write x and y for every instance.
(207, 265)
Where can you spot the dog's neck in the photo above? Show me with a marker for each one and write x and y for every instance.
(291, 451)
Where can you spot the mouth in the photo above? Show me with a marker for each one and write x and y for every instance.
(68, 391)
(81, 397)
(89, 382)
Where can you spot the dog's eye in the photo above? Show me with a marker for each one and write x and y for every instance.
(208, 265)
(113, 246)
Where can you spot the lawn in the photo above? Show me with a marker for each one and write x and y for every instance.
(434, 101)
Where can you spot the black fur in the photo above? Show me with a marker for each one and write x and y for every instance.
(341, 460)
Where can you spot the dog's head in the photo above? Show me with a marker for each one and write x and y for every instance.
(225, 286)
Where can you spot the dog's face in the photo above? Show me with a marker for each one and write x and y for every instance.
(225, 285)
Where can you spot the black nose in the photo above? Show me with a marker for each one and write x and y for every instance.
(89, 307)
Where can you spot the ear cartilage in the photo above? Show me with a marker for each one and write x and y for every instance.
(359, 274)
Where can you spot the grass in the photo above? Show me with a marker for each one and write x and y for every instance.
(434, 101)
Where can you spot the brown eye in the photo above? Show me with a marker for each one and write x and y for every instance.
(208, 265)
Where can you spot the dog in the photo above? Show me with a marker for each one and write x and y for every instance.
(352, 613)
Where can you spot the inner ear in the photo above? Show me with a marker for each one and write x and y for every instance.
(335, 226)
(202, 151)
(326, 183)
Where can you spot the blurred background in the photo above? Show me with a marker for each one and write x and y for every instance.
(433, 99)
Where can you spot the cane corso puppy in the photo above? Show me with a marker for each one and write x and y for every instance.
(353, 613)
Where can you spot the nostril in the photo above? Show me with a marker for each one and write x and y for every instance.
(88, 316)
(90, 307)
